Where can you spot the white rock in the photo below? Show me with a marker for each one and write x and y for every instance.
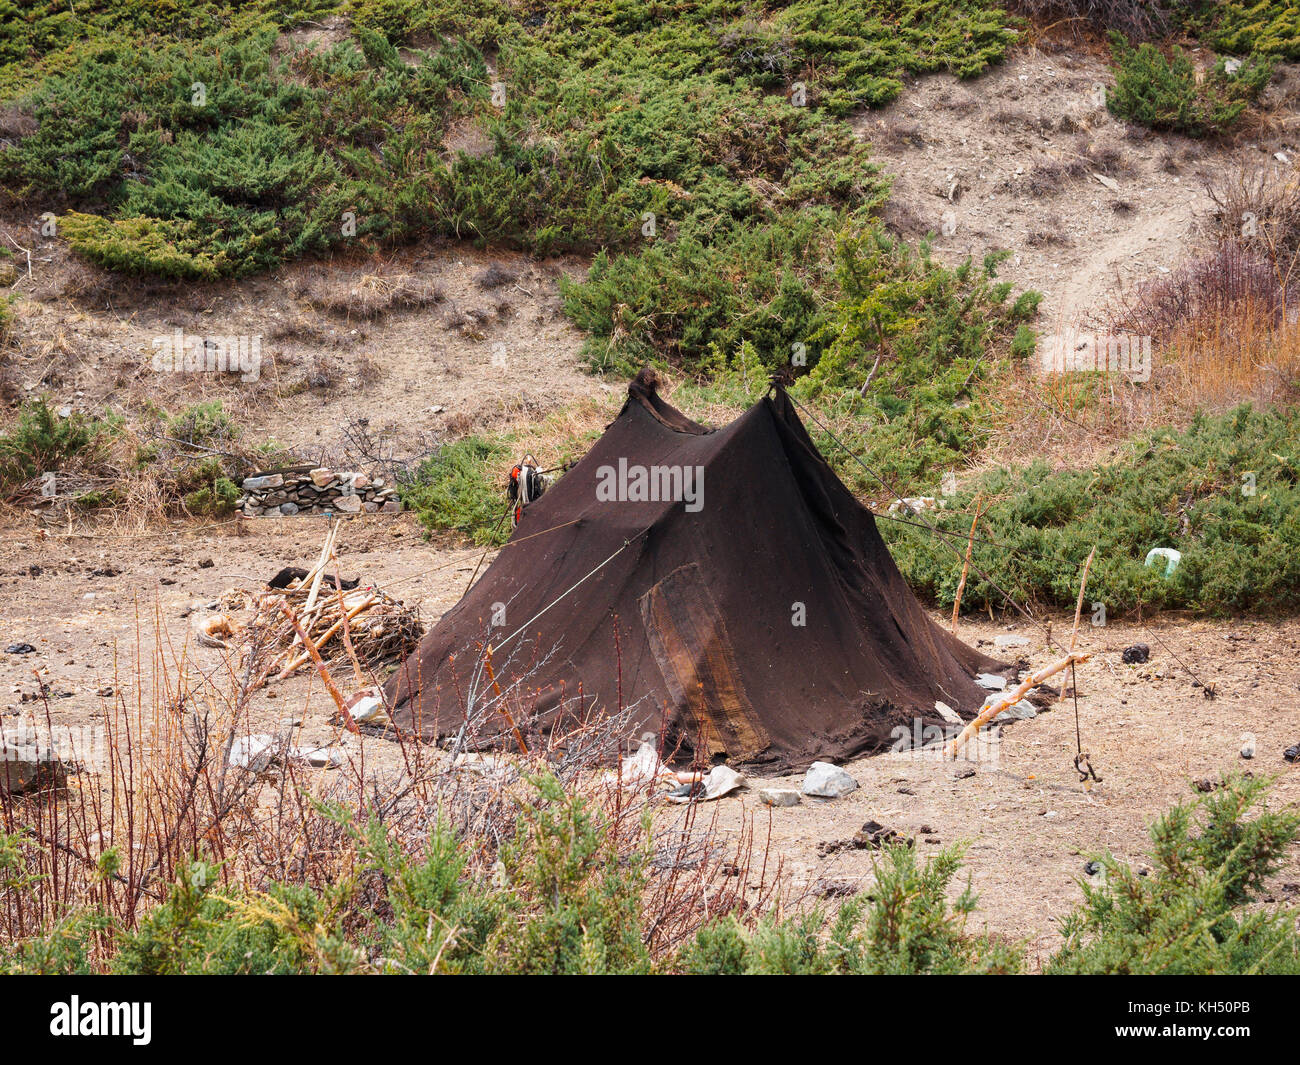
(255, 752)
(368, 710)
(1011, 641)
(319, 757)
(992, 682)
(779, 797)
(948, 713)
(827, 781)
(257, 484)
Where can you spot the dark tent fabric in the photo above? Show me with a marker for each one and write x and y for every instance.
(762, 622)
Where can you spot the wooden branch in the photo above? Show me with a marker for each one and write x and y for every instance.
(357, 676)
(1078, 609)
(998, 705)
(329, 634)
(505, 710)
(965, 566)
(316, 574)
(325, 677)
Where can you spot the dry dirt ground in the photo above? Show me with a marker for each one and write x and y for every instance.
(1028, 822)
(439, 340)
(1010, 160)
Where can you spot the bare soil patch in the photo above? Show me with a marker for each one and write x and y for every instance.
(1029, 824)
(1016, 158)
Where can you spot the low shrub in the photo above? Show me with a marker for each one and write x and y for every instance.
(1225, 492)
(909, 343)
(1245, 27)
(906, 925)
(568, 897)
(1166, 94)
(1192, 913)
(42, 441)
(461, 489)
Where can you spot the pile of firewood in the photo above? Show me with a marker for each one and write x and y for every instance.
(314, 617)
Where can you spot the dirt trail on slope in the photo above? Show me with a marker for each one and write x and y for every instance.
(1010, 160)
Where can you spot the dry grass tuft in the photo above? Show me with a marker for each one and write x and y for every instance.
(364, 294)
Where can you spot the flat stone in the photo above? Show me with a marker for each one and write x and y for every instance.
(288, 508)
(391, 507)
(348, 504)
(255, 752)
(991, 681)
(827, 781)
(319, 757)
(360, 480)
(779, 797)
(1021, 711)
(1011, 641)
(370, 506)
(257, 484)
(948, 713)
(321, 477)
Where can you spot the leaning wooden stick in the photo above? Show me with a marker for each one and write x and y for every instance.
(965, 566)
(505, 710)
(296, 663)
(357, 676)
(1078, 608)
(998, 705)
(317, 574)
(325, 677)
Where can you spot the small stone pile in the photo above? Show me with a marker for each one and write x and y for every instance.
(316, 491)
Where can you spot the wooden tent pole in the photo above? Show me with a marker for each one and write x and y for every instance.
(998, 705)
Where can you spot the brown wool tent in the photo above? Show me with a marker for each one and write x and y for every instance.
(760, 620)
